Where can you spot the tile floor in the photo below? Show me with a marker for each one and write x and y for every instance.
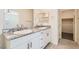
(64, 44)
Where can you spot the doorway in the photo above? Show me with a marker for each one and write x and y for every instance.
(67, 24)
(67, 28)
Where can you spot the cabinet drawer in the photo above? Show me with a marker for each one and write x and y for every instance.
(21, 46)
(35, 35)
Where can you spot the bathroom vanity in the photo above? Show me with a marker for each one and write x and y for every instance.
(38, 38)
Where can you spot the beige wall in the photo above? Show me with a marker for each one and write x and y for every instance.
(67, 26)
(25, 16)
(67, 14)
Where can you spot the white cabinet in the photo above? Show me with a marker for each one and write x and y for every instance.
(31, 41)
(21, 43)
(37, 40)
(48, 36)
(45, 38)
(34, 42)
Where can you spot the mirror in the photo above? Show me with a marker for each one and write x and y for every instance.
(25, 17)
(11, 19)
(14, 17)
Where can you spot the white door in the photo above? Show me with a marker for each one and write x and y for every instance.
(20, 43)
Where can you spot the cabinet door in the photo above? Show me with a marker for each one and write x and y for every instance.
(21, 42)
(35, 43)
(42, 43)
(16, 42)
(45, 38)
(48, 35)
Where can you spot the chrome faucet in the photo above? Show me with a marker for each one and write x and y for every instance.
(20, 27)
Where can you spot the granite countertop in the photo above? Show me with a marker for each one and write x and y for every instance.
(9, 36)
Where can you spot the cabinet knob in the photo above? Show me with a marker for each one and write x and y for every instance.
(30, 45)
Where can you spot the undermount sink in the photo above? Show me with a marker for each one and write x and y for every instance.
(17, 34)
(23, 32)
(42, 27)
(38, 29)
(10, 36)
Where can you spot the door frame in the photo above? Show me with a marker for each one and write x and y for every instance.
(74, 25)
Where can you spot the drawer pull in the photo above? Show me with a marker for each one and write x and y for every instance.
(31, 44)
(28, 46)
